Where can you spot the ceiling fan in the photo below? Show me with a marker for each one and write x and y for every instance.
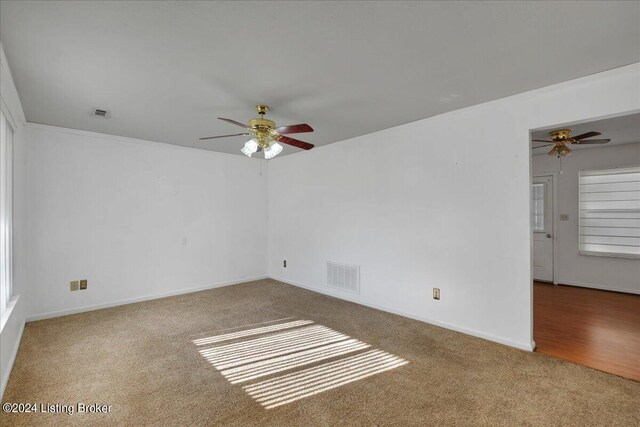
(265, 135)
(561, 138)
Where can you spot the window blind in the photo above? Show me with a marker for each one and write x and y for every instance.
(610, 212)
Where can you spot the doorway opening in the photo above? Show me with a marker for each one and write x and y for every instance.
(585, 239)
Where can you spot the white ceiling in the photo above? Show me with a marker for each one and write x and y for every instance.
(620, 130)
(166, 70)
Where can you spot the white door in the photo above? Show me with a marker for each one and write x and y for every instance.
(542, 227)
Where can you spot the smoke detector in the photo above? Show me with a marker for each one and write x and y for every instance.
(98, 112)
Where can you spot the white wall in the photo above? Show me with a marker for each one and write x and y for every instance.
(441, 202)
(137, 219)
(618, 274)
(13, 320)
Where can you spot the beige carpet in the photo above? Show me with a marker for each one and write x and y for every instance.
(180, 361)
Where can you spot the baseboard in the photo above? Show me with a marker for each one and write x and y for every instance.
(527, 346)
(602, 287)
(337, 294)
(12, 359)
(66, 312)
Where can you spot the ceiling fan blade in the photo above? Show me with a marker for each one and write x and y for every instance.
(541, 140)
(594, 141)
(540, 146)
(223, 136)
(586, 135)
(301, 128)
(242, 125)
(295, 142)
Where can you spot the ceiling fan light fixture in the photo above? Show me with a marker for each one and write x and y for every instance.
(272, 150)
(554, 152)
(250, 147)
(564, 151)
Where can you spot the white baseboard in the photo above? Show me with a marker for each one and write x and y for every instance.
(337, 294)
(527, 346)
(602, 287)
(12, 359)
(65, 312)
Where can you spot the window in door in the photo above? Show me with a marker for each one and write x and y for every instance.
(537, 207)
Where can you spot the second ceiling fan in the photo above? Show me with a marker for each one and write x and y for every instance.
(265, 135)
(561, 138)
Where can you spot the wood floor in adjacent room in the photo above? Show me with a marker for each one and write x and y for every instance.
(591, 327)
(269, 354)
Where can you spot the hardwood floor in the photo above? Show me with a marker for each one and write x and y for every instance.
(594, 328)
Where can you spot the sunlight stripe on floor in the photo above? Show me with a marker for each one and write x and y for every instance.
(289, 388)
(268, 352)
(284, 363)
(271, 339)
(293, 360)
(250, 332)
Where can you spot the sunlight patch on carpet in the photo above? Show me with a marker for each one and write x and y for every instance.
(285, 362)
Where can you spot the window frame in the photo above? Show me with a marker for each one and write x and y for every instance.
(7, 296)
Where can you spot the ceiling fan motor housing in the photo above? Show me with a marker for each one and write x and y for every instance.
(561, 135)
(261, 123)
(264, 131)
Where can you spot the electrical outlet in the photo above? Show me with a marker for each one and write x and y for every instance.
(284, 263)
(83, 284)
(436, 293)
(564, 217)
(73, 285)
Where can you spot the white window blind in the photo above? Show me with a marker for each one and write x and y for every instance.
(610, 212)
(6, 208)
(537, 207)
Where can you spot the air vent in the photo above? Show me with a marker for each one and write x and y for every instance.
(343, 276)
(97, 112)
